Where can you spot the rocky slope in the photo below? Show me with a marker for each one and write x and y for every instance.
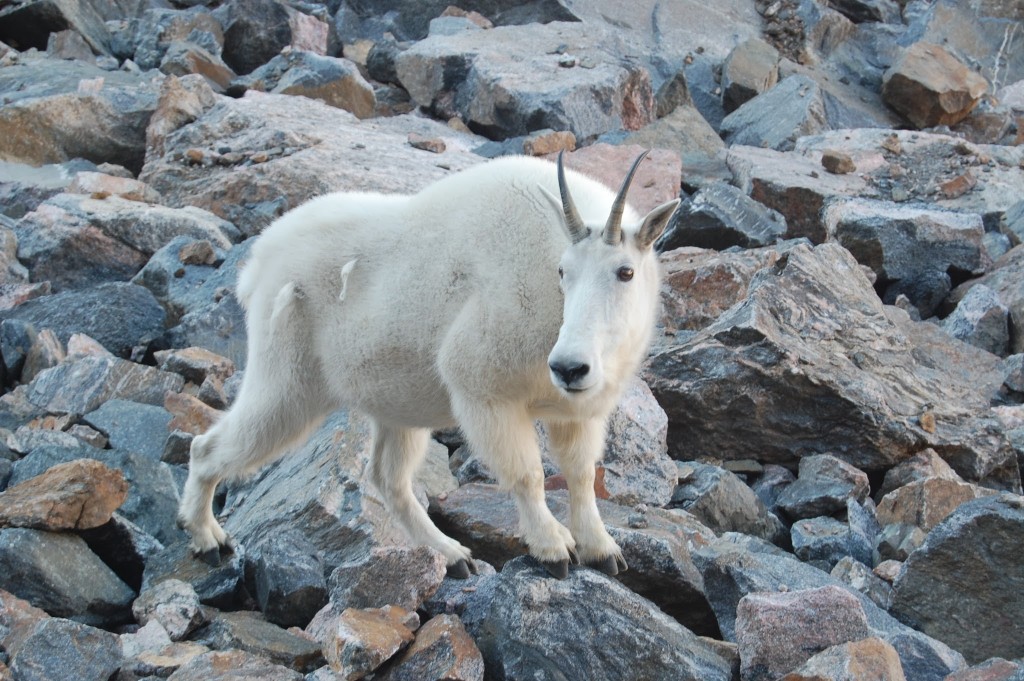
(817, 474)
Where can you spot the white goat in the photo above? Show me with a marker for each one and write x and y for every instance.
(442, 308)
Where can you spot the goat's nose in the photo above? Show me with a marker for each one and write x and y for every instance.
(570, 373)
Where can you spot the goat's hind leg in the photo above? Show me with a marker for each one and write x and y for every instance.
(397, 455)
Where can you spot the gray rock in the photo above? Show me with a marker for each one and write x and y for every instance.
(775, 119)
(120, 316)
(332, 80)
(1012, 224)
(58, 573)
(720, 216)
(771, 483)
(807, 341)
(823, 486)
(131, 426)
(899, 242)
(751, 69)
(886, 11)
(218, 327)
(955, 580)
(49, 118)
(925, 291)
(231, 665)
(184, 57)
(821, 541)
(1004, 278)
(982, 320)
(864, 528)
(390, 575)
(249, 632)
(30, 24)
(157, 29)
(508, 81)
(730, 573)
(60, 648)
(174, 604)
(637, 468)
(80, 386)
(221, 586)
(124, 547)
(257, 32)
(290, 582)
(723, 502)
(527, 632)
(179, 286)
(853, 573)
(23, 187)
(657, 545)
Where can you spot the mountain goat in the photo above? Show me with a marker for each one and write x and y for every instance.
(488, 300)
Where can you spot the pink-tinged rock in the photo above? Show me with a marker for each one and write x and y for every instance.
(657, 180)
(363, 640)
(191, 415)
(77, 495)
(195, 364)
(233, 665)
(172, 603)
(778, 632)
(443, 649)
(870, 659)
(101, 185)
(931, 87)
(308, 32)
(926, 503)
(181, 101)
(994, 669)
(18, 619)
(925, 464)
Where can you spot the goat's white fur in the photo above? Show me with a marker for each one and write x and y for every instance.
(437, 309)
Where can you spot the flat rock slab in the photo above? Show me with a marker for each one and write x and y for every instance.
(233, 665)
(77, 495)
(308, 147)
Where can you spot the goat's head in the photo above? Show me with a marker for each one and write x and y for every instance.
(609, 277)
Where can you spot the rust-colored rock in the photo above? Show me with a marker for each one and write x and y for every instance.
(931, 87)
(363, 640)
(190, 413)
(77, 495)
(870, 659)
(443, 649)
(837, 162)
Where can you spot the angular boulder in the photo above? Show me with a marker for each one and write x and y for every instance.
(931, 87)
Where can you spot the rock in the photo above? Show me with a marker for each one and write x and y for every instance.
(161, 663)
(195, 364)
(524, 631)
(334, 81)
(925, 464)
(731, 572)
(1003, 278)
(778, 632)
(655, 182)
(899, 242)
(124, 547)
(300, 141)
(181, 101)
(793, 108)
(230, 665)
(443, 649)
(258, 31)
(78, 495)
(931, 87)
(720, 500)
(982, 320)
(698, 286)
(637, 468)
(852, 572)
(849, 325)
(172, 603)
(183, 58)
(189, 414)
(870, 658)
(290, 583)
(80, 386)
(220, 586)
(719, 216)
(1012, 223)
(30, 24)
(995, 669)
(955, 578)
(19, 619)
(508, 81)
(149, 637)
(657, 545)
(183, 287)
(46, 351)
(837, 162)
(120, 316)
(249, 632)
(823, 486)
(920, 295)
(389, 576)
(62, 648)
(101, 185)
(157, 31)
(821, 541)
(131, 426)
(684, 131)
(364, 640)
(549, 142)
(49, 117)
(751, 69)
(58, 573)
(76, 240)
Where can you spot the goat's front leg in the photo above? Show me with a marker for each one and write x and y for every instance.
(577, 446)
(504, 438)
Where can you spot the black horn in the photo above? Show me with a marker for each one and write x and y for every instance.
(613, 229)
(577, 229)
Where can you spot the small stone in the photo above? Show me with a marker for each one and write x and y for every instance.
(174, 604)
(837, 162)
(432, 144)
(199, 252)
(195, 363)
(888, 570)
(194, 156)
(549, 142)
(567, 61)
(177, 447)
(958, 186)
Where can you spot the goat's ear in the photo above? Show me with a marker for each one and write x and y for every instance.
(654, 224)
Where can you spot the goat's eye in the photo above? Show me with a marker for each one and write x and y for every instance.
(561, 273)
(625, 273)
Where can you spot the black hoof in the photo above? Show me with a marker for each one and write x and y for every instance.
(462, 569)
(211, 556)
(559, 569)
(611, 566)
(574, 558)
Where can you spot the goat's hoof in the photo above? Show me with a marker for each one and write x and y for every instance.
(574, 558)
(462, 569)
(211, 556)
(611, 566)
(559, 569)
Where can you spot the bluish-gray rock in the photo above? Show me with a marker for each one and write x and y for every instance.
(775, 119)
(62, 649)
(289, 575)
(821, 541)
(58, 573)
(248, 631)
(124, 547)
(822, 487)
(723, 502)
(132, 426)
(981, 319)
(221, 585)
(720, 216)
